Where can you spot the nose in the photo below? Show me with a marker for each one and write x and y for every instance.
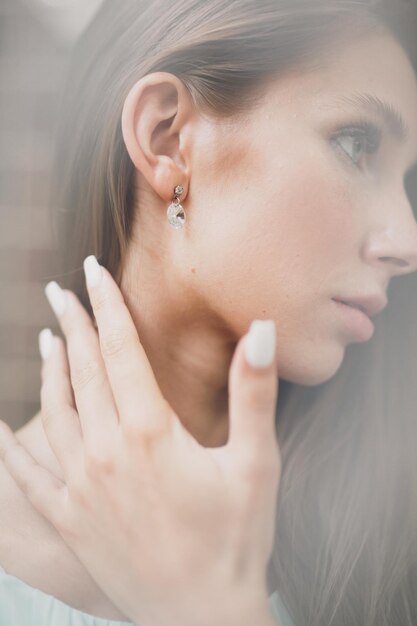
(392, 244)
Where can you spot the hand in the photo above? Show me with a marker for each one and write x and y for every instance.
(173, 532)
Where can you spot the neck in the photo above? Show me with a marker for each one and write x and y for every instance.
(188, 347)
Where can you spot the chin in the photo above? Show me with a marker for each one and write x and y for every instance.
(315, 371)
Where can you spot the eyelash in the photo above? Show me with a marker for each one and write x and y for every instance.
(361, 129)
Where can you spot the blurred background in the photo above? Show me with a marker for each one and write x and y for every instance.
(36, 37)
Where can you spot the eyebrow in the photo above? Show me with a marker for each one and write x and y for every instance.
(383, 109)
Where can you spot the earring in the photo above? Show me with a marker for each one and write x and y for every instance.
(175, 212)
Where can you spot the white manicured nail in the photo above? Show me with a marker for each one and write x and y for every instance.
(45, 339)
(57, 298)
(260, 343)
(93, 271)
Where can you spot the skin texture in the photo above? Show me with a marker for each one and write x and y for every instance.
(162, 541)
(279, 221)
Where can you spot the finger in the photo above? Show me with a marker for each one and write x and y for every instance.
(93, 396)
(46, 492)
(253, 393)
(59, 416)
(135, 389)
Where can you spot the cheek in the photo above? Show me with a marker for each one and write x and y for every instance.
(315, 220)
(279, 251)
(275, 240)
(299, 229)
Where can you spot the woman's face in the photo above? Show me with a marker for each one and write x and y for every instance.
(286, 212)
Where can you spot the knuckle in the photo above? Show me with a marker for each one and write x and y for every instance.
(98, 463)
(77, 489)
(82, 375)
(262, 397)
(26, 485)
(100, 300)
(145, 432)
(256, 472)
(140, 432)
(114, 341)
(259, 470)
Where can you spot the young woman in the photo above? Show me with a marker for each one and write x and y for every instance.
(290, 127)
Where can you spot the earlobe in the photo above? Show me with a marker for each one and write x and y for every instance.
(154, 115)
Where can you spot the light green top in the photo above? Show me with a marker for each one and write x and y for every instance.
(23, 605)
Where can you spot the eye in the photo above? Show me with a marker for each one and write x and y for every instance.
(364, 137)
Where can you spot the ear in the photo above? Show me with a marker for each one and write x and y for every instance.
(155, 121)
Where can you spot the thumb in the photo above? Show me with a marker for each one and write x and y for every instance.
(253, 393)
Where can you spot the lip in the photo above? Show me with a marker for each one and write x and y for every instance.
(357, 322)
(372, 304)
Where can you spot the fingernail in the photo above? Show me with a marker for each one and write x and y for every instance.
(57, 298)
(93, 271)
(45, 339)
(260, 343)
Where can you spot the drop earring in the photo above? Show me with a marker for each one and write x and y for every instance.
(175, 212)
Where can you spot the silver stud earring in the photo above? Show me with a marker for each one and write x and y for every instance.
(175, 212)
